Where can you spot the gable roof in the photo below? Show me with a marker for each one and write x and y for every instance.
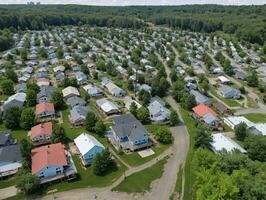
(70, 90)
(128, 126)
(41, 129)
(10, 153)
(53, 154)
(86, 142)
(202, 110)
(44, 107)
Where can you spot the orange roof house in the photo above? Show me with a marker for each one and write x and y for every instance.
(48, 160)
(201, 110)
(41, 131)
(45, 109)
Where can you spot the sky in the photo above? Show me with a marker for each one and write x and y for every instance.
(138, 2)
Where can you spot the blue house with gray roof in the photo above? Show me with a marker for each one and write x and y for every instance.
(128, 133)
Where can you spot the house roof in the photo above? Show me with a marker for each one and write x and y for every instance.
(128, 126)
(86, 142)
(226, 89)
(10, 153)
(41, 129)
(106, 105)
(221, 141)
(70, 91)
(223, 79)
(21, 96)
(44, 107)
(220, 107)
(4, 137)
(79, 113)
(202, 110)
(200, 98)
(53, 154)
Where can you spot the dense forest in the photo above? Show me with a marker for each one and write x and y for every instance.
(246, 22)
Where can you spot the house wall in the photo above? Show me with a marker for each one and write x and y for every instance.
(41, 138)
(49, 171)
(47, 114)
(88, 157)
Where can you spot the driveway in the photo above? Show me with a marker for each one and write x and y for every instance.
(8, 192)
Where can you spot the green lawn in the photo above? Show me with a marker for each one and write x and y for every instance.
(141, 181)
(189, 178)
(86, 178)
(7, 182)
(17, 134)
(229, 102)
(134, 158)
(256, 117)
(3, 97)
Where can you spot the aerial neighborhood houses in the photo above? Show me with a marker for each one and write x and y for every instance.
(10, 157)
(158, 111)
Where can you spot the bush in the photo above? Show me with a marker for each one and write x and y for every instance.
(102, 163)
(164, 136)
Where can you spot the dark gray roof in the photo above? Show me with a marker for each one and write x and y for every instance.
(4, 138)
(10, 153)
(75, 101)
(128, 126)
(45, 91)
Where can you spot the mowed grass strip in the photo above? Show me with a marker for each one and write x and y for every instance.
(256, 117)
(140, 182)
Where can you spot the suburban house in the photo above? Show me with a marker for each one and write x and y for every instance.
(233, 121)
(45, 94)
(75, 101)
(81, 78)
(45, 109)
(222, 108)
(223, 142)
(206, 114)
(41, 133)
(51, 162)
(88, 146)
(229, 92)
(107, 106)
(78, 114)
(10, 159)
(158, 112)
(223, 80)
(59, 68)
(17, 99)
(93, 90)
(43, 82)
(200, 98)
(145, 87)
(22, 87)
(115, 90)
(128, 133)
(128, 101)
(70, 92)
(6, 139)
(240, 75)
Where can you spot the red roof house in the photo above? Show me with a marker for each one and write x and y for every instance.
(45, 109)
(49, 160)
(41, 132)
(201, 110)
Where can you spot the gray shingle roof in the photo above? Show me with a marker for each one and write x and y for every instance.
(10, 153)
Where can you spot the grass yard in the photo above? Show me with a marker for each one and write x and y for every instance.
(17, 134)
(229, 102)
(7, 182)
(189, 178)
(3, 97)
(134, 158)
(86, 178)
(141, 181)
(256, 117)
(251, 103)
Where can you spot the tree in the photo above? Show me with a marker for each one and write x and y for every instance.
(90, 121)
(188, 101)
(27, 118)
(145, 97)
(12, 117)
(130, 85)
(11, 74)
(59, 53)
(33, 86)
(256, 147)
(100, 128)
(102, 163)
(205, 86)
(31, 98)
(58, 134)
(143, 115)
(58, 99)
(25, 150)
(174, 119)
(253, 79)
(133, 108)
(242, 90)
(28, 183)
(241, 131)
(203, 136)
(7, 87)
(24, 54)
(164, 136)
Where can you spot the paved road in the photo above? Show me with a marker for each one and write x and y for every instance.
(8, 192)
